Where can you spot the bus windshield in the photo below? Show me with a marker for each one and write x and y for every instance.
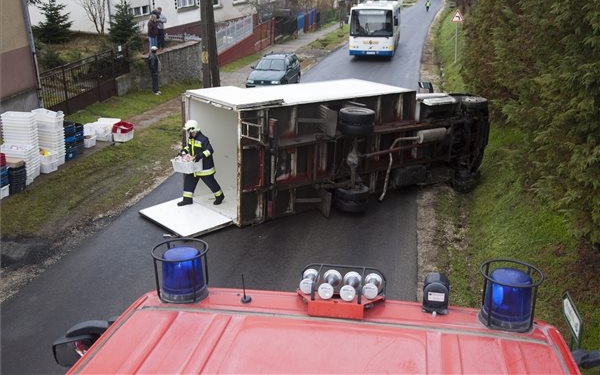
(371, 22)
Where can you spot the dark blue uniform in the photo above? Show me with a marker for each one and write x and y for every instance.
(199, 147)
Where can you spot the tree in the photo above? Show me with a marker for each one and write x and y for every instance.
(56, 28)
(542, 73)
(96, 12)
(123, 28)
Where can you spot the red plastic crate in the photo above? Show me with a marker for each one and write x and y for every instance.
(122, 127)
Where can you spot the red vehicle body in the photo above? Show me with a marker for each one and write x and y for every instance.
(275, 334)
(237, 331)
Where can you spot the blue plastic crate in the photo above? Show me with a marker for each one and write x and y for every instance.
(70, 153)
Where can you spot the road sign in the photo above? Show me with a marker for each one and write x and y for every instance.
(457, 17)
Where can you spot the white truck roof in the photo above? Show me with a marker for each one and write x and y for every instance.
(238, 98)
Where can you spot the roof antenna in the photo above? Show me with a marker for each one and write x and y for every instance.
(245, 298)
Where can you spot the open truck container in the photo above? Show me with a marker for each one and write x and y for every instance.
(281, 150)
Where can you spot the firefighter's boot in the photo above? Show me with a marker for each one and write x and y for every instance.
(219, 199)
(185, 201)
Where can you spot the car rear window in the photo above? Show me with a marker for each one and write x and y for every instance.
(271, 64)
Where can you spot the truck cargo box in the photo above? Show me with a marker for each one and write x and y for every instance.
(280, 150)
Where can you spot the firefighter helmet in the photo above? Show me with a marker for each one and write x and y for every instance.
(191, 124)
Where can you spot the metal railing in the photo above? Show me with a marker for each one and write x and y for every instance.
(76, 85)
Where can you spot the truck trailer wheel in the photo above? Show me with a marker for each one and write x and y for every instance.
(465, 181)
(354, 129)
(351, 206)
(356, 120)
(357, 115)
(352, 200)
(359, 193)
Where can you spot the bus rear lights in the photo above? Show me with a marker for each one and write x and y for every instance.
(509, 294)
(333, 279)
(436, 290)
(183, 275)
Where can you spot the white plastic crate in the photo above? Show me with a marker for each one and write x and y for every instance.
(102, 130)
(123, 137)
(4, 191)
(48, 157)
(186, 167)
(89, 141)
(49, 167)
(108, 120)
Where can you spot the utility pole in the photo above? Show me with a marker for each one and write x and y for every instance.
(210, 63)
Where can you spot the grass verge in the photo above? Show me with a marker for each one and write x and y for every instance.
(101, 181)
(504, 221)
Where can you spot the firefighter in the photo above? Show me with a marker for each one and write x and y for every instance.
(199, 147)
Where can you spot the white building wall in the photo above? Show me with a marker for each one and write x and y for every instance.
(225, 10)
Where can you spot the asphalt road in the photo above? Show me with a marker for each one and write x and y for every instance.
(110, 270)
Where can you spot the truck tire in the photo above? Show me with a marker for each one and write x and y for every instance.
(356, 120)
(464, 181)
(359, 193)
(354, 129)
(356, 115)
(352, 200)
(351, 206)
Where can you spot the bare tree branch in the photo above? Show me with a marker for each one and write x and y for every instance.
(96, 12)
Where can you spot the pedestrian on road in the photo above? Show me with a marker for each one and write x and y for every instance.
(162, 19)
(427, 5)
(152, 31)
(154, 66)
(199, 147)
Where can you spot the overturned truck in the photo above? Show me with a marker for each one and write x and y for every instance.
(287, 149)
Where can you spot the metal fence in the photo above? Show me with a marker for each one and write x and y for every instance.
(74, 86)
(233, 32)
(228, 34)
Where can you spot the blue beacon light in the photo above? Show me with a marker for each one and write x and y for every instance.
(509, 295)
(183, 270)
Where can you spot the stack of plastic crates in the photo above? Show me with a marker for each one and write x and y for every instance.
(21, 141)
(73, 139)
(4, 184)
(51, 138)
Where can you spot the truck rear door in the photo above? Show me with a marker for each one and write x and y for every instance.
(187, 221)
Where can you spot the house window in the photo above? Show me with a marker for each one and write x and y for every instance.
(216, 3)
(143, 10)
(186, 3)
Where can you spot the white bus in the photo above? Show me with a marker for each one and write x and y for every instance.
(374, 28)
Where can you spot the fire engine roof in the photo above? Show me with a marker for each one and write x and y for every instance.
(274, 334)
(247, 98)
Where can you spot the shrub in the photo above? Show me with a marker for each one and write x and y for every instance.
(56, 28)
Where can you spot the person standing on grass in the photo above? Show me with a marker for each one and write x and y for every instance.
(154, 66)
(152, 31)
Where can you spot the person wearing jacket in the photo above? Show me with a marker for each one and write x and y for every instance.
(154, 66)
(152, 31)
(162, 19)
(199, 147)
